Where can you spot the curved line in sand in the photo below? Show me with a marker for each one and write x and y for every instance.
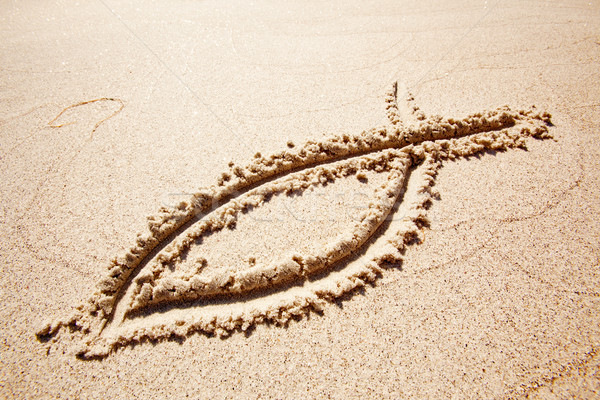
(133, 282)
(83, 103)
(258, 277)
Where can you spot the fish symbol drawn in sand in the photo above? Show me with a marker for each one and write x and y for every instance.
(146, 296)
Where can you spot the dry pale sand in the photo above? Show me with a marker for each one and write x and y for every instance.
(368, 251)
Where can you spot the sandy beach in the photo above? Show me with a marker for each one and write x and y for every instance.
(300, 200)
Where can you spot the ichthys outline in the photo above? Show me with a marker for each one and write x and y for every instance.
(127, 304)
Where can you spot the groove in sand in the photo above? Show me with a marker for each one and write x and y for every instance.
(145, 297)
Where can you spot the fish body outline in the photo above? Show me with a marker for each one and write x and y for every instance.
(135, 285)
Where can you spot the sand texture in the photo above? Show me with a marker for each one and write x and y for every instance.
(219, 200)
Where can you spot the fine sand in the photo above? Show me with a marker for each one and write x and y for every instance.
(304, 200)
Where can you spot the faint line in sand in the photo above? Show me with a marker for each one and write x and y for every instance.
(52, 125)
(451, 46)
(183, 83)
